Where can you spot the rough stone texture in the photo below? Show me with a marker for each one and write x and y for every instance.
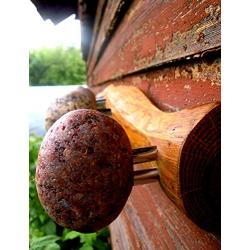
(81, 98)
(84, 173)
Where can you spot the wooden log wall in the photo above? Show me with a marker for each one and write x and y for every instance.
(170, 49)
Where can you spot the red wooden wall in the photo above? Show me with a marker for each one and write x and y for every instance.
(170, 49)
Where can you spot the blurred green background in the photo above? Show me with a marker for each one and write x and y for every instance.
(56, 66)
(50, 67)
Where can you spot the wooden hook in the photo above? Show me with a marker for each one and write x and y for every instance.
(188, 144)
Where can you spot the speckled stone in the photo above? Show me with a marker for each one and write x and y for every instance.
(81, 98)
(84, 172)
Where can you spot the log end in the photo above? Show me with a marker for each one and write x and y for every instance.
(200, 172)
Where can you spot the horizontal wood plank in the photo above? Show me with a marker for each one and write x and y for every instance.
(98, 18)
(153, 33)
(150, 221)
(110, 17)
(86, 14)
(182, 85)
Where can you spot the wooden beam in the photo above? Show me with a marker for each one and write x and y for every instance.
(188, 145)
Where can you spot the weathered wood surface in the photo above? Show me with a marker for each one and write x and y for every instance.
(112, 14)
(153, 33)
(188, 144)
(182, 85)
(86, 13)
(149, 48)
(98, 18)
(150, 221)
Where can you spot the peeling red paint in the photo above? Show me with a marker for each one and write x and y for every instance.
(177, 87)
(155, 35)
(112, 10)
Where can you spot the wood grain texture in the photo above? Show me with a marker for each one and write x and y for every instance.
(200, 177)
(98, 18)
(162, 48)
(151, 221)
(182, 85)
(86, 13)
(188, 144)
(153, 33)
(113, 9)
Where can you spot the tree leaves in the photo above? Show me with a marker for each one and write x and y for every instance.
(39, 221)
(56, 66)
(45, 243)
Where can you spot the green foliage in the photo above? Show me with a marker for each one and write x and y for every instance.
(45, 243)
(40, 223)
(44, 233)
(56, 66)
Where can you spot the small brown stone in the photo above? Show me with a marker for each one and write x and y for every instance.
(84, 172)
(81, 98)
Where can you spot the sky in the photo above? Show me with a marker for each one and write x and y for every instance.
(46, 34)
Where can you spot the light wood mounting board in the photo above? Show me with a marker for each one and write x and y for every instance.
(188, 145)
